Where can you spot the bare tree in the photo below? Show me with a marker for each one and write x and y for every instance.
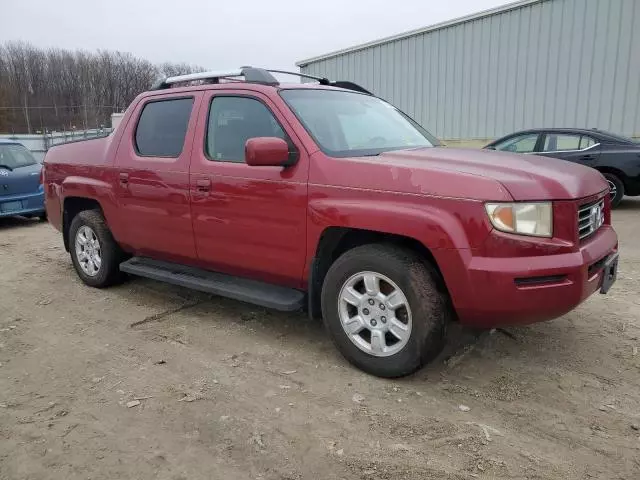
(59, 89)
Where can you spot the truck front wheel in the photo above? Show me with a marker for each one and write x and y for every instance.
(383, 310)
(95, 254)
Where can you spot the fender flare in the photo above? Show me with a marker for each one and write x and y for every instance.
(435, 228)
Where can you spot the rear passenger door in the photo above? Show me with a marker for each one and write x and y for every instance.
(152, 175)
(248, 221)
(573, 147)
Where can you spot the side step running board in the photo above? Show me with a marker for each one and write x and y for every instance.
(251, 291)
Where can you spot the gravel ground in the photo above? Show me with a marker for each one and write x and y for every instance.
(147, 380)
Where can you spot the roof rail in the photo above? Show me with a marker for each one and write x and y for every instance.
(250, 74)
(325, 81)
(350, 86)
(322, 80)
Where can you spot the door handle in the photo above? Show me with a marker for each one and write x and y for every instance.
(124, 178)
(203, 185)
(588, 157)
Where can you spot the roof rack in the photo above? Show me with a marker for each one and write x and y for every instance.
(250, 74)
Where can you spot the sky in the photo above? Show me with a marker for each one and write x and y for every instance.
(222, 34)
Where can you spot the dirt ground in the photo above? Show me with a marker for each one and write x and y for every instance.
(224, 390)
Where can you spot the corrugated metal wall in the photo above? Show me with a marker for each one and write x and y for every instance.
(558, 63)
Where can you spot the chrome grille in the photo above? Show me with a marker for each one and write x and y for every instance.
(590, 218)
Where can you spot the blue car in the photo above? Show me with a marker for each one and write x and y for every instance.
(21, 190)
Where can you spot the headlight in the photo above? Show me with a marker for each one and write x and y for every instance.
(534, 219)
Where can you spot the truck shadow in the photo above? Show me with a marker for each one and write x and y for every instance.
(469, 353)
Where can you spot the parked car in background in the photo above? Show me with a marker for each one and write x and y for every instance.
(615, 156)
(293, 195)
(21, 192)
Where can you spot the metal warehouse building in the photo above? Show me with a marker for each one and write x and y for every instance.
(533, 63)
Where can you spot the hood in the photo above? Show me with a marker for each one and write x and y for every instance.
(479, 174)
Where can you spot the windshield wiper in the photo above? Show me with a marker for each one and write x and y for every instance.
(6, 166)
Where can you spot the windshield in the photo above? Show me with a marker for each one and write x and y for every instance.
(347, 124)
(15, 156)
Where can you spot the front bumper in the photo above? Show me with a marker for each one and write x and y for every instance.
(522, 290)
(22, 204)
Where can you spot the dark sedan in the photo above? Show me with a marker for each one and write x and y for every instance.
(616, 157)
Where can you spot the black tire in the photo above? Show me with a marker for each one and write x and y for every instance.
(111, 254)
(430, 308)
(43, 217)
(615, 180)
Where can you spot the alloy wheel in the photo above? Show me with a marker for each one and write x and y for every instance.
(375, 314)
(88, 251)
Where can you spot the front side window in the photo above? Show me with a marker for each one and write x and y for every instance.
(519, 144)
(162, 127)
(233, 121)
(347, 124)
(15, 156)
(561, 142)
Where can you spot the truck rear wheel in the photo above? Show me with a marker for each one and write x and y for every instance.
(383, 310)
(95, 254)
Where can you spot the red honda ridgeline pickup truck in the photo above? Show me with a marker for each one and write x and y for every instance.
(299, 195)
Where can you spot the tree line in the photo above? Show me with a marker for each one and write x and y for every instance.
(63, 90)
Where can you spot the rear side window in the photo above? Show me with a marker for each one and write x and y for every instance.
(162, 127)
(561, 142)
(233, 121)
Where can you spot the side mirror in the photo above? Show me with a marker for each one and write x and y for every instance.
(267, 152)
